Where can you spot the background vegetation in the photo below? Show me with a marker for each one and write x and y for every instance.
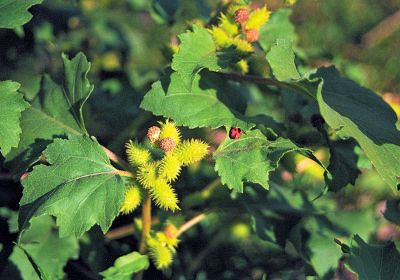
(284, 233)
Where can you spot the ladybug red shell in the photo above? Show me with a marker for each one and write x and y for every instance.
(235, 133)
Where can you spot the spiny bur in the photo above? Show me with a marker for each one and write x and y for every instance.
(147, 175)
(164, 195)
(159, 253)
(155, 176)
(258, 18)
(170, 167)
(153, 134)
(132, 199)
(161, 249)
(191, 151)
(242, 15)
(167, 144)
(252, 35)
(169, 130)
(137, 155)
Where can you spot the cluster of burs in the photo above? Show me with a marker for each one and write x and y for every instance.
(156, 163)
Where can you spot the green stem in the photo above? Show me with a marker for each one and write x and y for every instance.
(266, 81)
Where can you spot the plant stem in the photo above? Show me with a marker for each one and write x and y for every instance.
(113, 157)
(123, 173)
(120, 232)
(265, 81)
(192, 222)
(146, 220)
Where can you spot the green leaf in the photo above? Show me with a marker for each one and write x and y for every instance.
(325, 253)
(55, 112)
(12, 104)
(250, 159)
(211, 101)
(13, 13)
(79, 187)
(47, 251)
(281, 60)
(278, 27)
(372, 262)
(197, 51)
(342, 165)
(77, 87)
(358, 112)
(124, 267)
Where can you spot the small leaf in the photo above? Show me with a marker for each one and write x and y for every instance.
(197, 51)
(77, 87)
(211, 101)
(250, 158)
(372, 262)
(343, 165)
(13, 13)
(79, 187)
(12, 104)
(358, 112)
(278, 27)
(124, 267)
(281, 60)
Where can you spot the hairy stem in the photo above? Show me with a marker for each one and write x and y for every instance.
(120, 232)
(192, 222)
(115, 158)
(123, 173)
(146, 220)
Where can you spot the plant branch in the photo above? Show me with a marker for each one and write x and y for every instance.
(120, 232)
(146, 220)
(192, 222)
(115, 158)
(382, 31)
(265, 81)
(123, 173)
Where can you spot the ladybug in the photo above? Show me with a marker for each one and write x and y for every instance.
(235, 133)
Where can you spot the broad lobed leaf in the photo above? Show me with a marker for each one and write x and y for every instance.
(197, 51)
(79, 187)
(250, 159)
(210, 102)
(359, 113)
(372, 262)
